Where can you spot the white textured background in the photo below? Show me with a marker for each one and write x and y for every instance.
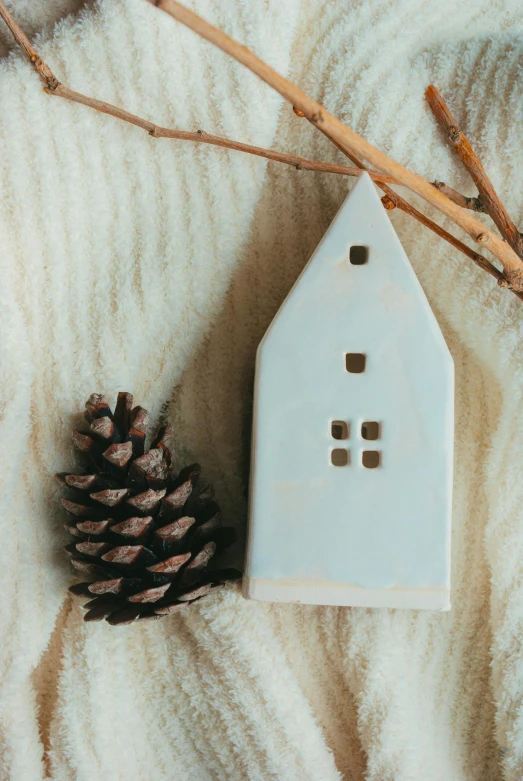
(154, 266)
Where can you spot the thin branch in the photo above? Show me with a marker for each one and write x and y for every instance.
(466, 202)
(472, 163)
(406, 207)
(200, 136)
(392, 200)
(352, 142)
(22, 40)
(53, 87)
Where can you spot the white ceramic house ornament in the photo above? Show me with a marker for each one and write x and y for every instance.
(351, 485)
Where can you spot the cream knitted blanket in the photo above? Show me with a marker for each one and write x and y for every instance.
(154, 266)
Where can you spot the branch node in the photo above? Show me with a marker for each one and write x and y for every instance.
(52, 85)
(513, 279)
(455, 134)
(298, 111)
(476, 205)
(388, 202)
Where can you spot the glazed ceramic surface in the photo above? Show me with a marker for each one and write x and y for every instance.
(351, 485)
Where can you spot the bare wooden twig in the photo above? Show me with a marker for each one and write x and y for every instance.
(466, 202)
(23, 41)
(352, 142)
(479, 260)
(487, 194)
(392, 200)
(54, 87)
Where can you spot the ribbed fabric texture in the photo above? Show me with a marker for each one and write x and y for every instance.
(154, 266)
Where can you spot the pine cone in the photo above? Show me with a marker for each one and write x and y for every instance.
(145, 535)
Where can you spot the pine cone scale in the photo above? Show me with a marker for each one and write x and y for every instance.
(136, 526)
(93, 527)
(171, 565)
(150, 594)
(110, 496)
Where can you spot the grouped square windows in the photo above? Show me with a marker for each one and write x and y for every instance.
(340, 431)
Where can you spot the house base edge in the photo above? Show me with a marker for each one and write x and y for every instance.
(341, 594)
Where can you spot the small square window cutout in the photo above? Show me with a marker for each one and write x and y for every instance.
(339, 456)
(355, 362)
(339, 429)
(370, 430)
(358, 255)
(371, 459)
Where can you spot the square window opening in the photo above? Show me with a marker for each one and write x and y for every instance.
(339, 456)
(371, 459)
(370, 430)
(358, 255)
(339, 429)
(355, 362)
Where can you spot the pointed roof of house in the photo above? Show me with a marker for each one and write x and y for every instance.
(386, 280)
